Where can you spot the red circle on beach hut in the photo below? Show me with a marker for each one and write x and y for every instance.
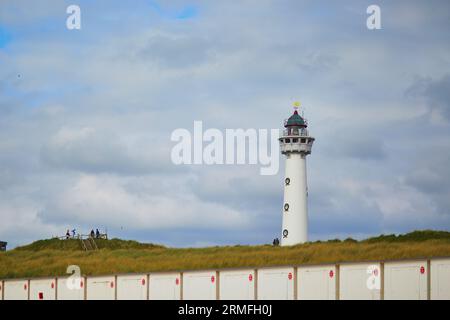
(53, 285)
(112, 284)
(422, 269)
(81, 284)
(177, 281)
(290, 276)
(331, 274)
(212, 279)
(375, 272)
(25, 287)
(250, 277)
(143, 282)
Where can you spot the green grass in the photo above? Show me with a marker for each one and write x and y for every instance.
(52, 257)
(75, 245)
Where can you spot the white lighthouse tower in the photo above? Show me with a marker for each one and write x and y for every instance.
(295, 144)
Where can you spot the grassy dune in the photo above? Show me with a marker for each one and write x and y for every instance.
(51, 257)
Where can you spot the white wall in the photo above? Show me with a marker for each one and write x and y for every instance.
(237, 285)
(440, 279)
(132, 287)
(71, 289)
(295, 220)
(165, 286)
(101, 288)
(15, 290)
(316, 283)
(199, 285)
(275, 284)
(405, 280)
(360, 281)
(43, 289)
(402, 280)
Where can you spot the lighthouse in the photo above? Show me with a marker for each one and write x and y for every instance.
(295, 144)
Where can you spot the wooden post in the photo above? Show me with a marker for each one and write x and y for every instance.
(148, 286)
(428, 279)
(382, 280)
(295, 283)
(338, 282)
(217, 285)
(115, 287)
(85, 287)
(181, 286)
(256, 284)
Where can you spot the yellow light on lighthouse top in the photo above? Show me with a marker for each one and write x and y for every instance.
(296, 105)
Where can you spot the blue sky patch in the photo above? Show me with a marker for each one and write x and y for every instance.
(5, 37)
(187, 12)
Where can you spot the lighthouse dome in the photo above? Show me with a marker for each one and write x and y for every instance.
(295, 121)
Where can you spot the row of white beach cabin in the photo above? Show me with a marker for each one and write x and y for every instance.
(408, 279)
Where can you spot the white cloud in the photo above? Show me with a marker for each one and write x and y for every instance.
(104, 200)
(85, 130)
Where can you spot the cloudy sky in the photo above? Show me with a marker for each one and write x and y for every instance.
(86, 116)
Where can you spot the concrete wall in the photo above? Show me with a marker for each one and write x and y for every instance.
(316, 283)
(440, 279)
(43, 289)
(15, 290)
(132, 287)
(165, 286)
(71, 288)
(276, 283)
(200, 285)
(360, 281)
(405, 280)
(237, 285)
(101, 288)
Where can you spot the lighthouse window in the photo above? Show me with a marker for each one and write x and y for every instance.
(295, 140)
(303, 141)
(288, 140)
(285, 233)
(286, 206)
(287, 181)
